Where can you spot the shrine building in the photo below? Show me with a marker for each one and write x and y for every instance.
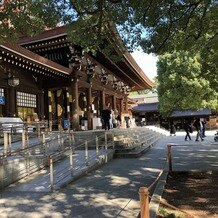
(47, 77)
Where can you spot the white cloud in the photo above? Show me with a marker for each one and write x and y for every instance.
(147, 62)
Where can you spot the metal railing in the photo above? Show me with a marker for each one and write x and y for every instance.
(25, 160)
(46, 151)
(101, 145)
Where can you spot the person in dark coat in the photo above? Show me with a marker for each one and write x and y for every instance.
(188, 129)
(197, 126)
(106, 115)
(172, 128)
(203, 122)
(126, 118)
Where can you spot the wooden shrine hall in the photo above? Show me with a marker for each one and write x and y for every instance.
(46, 77)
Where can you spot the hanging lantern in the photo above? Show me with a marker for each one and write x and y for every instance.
(13, 81)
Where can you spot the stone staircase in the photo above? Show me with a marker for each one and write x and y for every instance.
(132, 143)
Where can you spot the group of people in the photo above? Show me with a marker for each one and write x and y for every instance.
(110, 119)
(198, 124)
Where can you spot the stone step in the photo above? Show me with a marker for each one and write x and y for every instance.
(134, 153)
(127, 148)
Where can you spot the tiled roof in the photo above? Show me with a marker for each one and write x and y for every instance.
(191, 113)
(147, 98)
(128, 66)
(47, 34)
(146, 107)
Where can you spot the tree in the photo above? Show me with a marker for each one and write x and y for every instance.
(25, 17)
(157, 26)
(165, 22)
(182, 84)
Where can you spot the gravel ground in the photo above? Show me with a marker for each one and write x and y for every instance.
(195, 193)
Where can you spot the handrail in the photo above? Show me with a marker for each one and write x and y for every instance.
(29, 147)
(58, 146)
(68, 170)
(144, 191)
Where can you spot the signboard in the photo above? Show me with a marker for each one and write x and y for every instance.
(2, 100)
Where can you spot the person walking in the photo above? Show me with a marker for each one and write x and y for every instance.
(197, 126)
(106, 115)
(203, 123)
(188, 129)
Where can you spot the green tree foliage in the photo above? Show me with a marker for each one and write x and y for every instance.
(158, 26)
(183, 84)
(29, 17)
(168, 25)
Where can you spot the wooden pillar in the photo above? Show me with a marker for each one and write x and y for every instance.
(75, 102)
(114, 102)
(126, 104)
(41, 101)
(60, 106)
(121, 111)
(102, 100)
(41, 107)
(121, 106)
(89, 107)
(12, 102)
(49, 111)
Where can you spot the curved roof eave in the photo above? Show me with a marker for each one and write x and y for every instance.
(129, 60)
(33, 57)
(128, 57)
(45, 35)
(137, 69)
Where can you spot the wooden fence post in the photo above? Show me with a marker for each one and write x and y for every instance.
(144, 202)
(169, 155)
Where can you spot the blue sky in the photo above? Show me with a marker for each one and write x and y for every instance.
(147, 62)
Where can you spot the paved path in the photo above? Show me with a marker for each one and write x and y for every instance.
(112, 190)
